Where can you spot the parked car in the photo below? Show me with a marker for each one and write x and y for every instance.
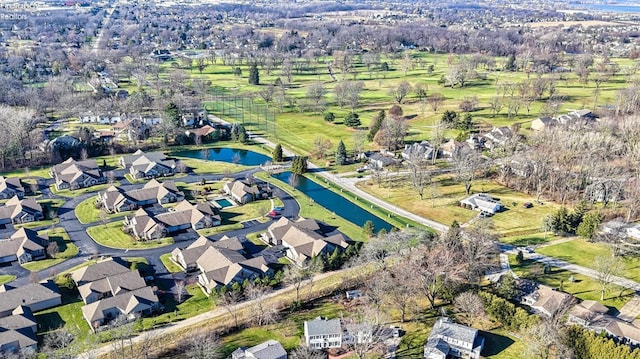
(527, 205)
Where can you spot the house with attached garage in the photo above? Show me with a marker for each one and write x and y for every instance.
(147, 165)
(115, 199)
(18, 333)
(482, 202)
(105, 268)
(546, 300)
(271, 349)
(24, 246)
(11, 187)
(110, 286)
(128, 304)
(244, 191)
(187, 258)
(35, 296)
(419, 151)
(146, 225)
(451, 340)
(18, 210)
(303, 239)
(72, 174)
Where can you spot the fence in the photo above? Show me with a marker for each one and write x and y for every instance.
(255, 117)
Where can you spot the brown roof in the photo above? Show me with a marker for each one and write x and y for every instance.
(100, 270)
(115, 284)
(127, 303)
(70, 170)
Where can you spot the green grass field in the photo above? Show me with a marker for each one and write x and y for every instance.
(65, 245)
(169, 264)
(207, 167)
(112, 236)
(87, 212)
(195, 303)
(5, 278)
(77, 192)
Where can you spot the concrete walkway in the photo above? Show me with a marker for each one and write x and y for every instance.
(630, 311)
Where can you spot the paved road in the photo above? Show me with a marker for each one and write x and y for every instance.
(87, 247)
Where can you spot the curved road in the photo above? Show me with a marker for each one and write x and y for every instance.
(88, 247)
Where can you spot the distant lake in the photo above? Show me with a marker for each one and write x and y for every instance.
(620, 8)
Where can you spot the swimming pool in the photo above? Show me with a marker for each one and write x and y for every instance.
(223, 202)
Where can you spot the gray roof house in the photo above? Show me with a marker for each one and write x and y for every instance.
(115, 199)
(11, 186)
(221, 267)
(152, 164)
(242, 191)
(422, 151)
(130, 304)
(35, 296)
(100, 270)
(323, 333)
(448, 339)
(187, 258)
(72, 174)
(482, 202)
(18, 210)
(25, 245)
(111, 286)
(18, 332)
(271, 349)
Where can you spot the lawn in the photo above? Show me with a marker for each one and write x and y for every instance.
(515, 220)
(5, 278)
(309, 209)
(169, 264)
(584, 288)
(42, 171)
(196, 303)
(232, 217)
(583, 253)
(65, 245)
(207, 167)
(77, 192)
(112, 236)
(87, 212)
(68, 315)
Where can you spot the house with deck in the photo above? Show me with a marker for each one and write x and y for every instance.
(221, 267)
(187, 258)
(127, 304)
(322, 333)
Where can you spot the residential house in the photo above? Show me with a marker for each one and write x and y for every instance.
(115, 199)
(187, 257)
(72, 174)
(25, 245)
(146, 226)
(322, 333)
(242, 191)
(11, 187)
(419, 150)
(542, 123)
(35, 296)
(152, 164)
(127, 304)
(271, 349)
(303, 239)
(546, 300)
(451, 340)
(18, 332)
(482, 202)
(203, 133)
(18, 210)
(103, 269)
(111, 286)
(221, 267)
(452, 146)
(381, 160)
(498, 136)
(587, 312)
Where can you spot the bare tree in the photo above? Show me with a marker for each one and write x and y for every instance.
(365, 336)
(53, 249)
(202, 344)
(321, 146)
(179, 290)
(293, 180)
(435, 100)
(403, 293)
(400, 92)
(264, 312)
(469, 305)
(304, 352)
(57, 344)
(466, 162)
(295, 277)
(315, 93)
(230, 301)
(606, 268)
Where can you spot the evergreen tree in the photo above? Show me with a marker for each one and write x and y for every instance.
(589, 225)
(254, 75)
(341, 154)
(329, 117)
(449, 118)
(173, 114)
(369, 229)
(561, 221)
(352, 120)
(376, 123)
(277, 154)
(238, 133)
(510, 65)
(466, 124)
(299, 165)
(507, 287)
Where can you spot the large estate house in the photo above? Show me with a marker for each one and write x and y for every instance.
(451, 340)
(72, 174)
(152, 164)
(115, 199)
(18, 210)
(146, 225)
(303, 239)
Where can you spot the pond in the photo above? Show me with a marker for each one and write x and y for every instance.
(231, 155)
(336, 203)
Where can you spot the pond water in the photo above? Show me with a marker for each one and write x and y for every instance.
(231, 155)
(336, 203)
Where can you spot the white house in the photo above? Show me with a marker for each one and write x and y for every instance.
(482, 202)
(448, 339)
(323, 333)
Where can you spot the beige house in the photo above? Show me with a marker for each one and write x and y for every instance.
(149, 165)
(222, 267)
(543, 123)
(10, 187)
(111, 286)
(115, 199)
(25, 245)
(546, 300)
(18, 331)
(103, 269)
(187, 258)
(146, 226)
(18, 210)
(72, 174)
(35, 296)
(242, 192)
(128, 304)
(303, 239)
